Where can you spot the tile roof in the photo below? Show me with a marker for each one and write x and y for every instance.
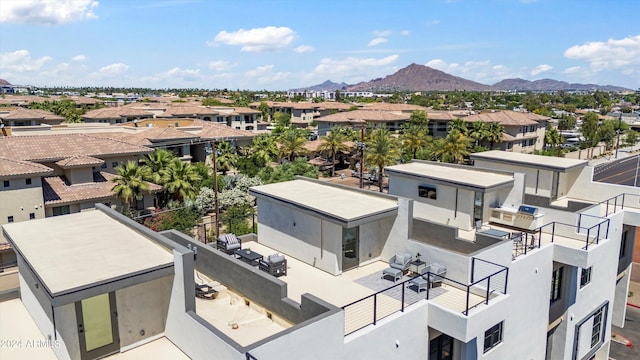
(18, 113)
(61, 146)
(393, 107)
(57, 190)
(441, 115)
(508, 117)
(79, 161)
(216, 131)
(359, 116)
(116, 113)
(187, 110)
(148, 135)
(313, 145)
(12, 167)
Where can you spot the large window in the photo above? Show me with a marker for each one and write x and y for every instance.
(441, 348)
(623, 244)
(427, 191)
(585, 276)
(493, 337)
(556, 284)
(596, 328)
(61, 210)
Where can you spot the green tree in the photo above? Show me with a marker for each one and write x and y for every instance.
(419, 117)
(454, 148)
(631, 137)
(263, 149)
(282, 119)
(414, 138)
(494, 133)
(226, 157)
(288, 171)
(553, 138)
(382, 150)
(567, 122)
(130, 184)
(333, 143)
(458, 125)
(157, 161)
(479, 132)
(264, 111)
(183, 219)
(178, 179)
(590, 130)
(292, 143)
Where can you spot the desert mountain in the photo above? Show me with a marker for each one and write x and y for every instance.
(4, 82)
(549, 84)
(325, 86)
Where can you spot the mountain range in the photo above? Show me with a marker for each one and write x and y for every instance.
(423, 78)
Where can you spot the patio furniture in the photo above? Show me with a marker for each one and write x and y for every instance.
(250, 257)
(398, 266)
(228, 243)
(429, 277)
(275, 265)
(437, 273)
(206, 292)
(420, 281)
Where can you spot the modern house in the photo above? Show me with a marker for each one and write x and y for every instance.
(523, 131)
(547, 286)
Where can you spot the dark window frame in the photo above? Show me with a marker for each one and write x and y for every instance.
(10, 219)
(427, 192)
(556, 285)
(585, 276)
(27, 181)
(493, 336)
(6, 183)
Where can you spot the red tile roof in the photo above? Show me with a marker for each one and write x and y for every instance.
(79, 161)
(61, 146)
(359, 116)
(12, 167)
(216, 131)
(508, 117)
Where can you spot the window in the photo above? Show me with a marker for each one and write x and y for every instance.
(493, 337)
(61, 210)
(556, 284)
(596, 329)
(219, 119)
(623, 244)
(427, 191)
(441, 348)
(32, 216)
(9, 219)
(532, 128)
(532, 142)
(104, 166)
(28, 181)
(114, 164)
(585, 276)
(6, 183)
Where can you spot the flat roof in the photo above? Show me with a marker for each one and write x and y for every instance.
(334, 203)
(536, 161)
(73, 251)
(454, 175)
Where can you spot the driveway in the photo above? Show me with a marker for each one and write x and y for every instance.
(630, 331)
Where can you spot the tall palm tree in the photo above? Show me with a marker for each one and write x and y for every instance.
(333, 143)
(227, 157)
(553, 138)
(414, 137)
(479, 132)
(382, 150)
(178, 179)
(131, 182)
(156, 162)
(263, 149)
(454, 148)
(292, 143)
(494, 133)
(458, 125)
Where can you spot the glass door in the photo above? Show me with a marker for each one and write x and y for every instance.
(554, 186)
(478, 204)
(350, 248)
(441, 348)
(97, 326)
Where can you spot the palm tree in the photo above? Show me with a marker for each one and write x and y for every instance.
(333, 143)
(292, 143)
(156, 162)
(454, 148)
(131, 182)
(227, 157)
(458, 125)
(382, 150)
(479, 132)
(263, 149)
(414, 138)
(178, 179)
(494, 133)
(553, 137)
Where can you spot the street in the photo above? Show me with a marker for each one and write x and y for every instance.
(622, 172)
(630, 331)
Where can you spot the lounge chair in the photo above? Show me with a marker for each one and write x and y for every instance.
(421, 281)
(228, 243)
(437, 273)
(275, 265)
(429, 276)
(398, 266)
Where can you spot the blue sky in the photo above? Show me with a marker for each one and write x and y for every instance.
(278, 45)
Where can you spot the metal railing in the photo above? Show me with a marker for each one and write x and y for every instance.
(371, 309)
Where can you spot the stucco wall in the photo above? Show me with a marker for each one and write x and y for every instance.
(20, 200)
(142, 310)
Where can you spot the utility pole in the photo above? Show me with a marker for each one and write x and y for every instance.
(361, 147)
(618, 132)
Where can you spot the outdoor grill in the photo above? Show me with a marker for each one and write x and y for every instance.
(526, 212)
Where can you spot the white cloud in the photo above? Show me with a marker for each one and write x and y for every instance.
(480, 71)
(540, 69)
(220, 65)
(264, 75)
(352, 69)
(623, 54)
(21, 61)
(377, 41)
(404, 32)
(80, 57)
(113, 69)
(304, 48)
(268, 38)
(47, 12)
(383, 33)
(259, 71)
(182, 74)
(571, 70)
